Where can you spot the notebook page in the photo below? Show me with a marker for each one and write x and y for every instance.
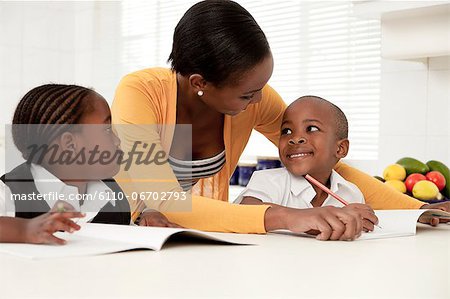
(76, 246)
(392, 223)
(398, 223)
(140, 236)
(149, 236)
(94, 239)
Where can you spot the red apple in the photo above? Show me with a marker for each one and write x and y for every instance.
(412, 179)
(437, 178)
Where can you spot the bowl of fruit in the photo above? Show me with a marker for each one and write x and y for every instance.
(428, 182)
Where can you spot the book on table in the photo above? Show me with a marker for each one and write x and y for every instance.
(95, 239)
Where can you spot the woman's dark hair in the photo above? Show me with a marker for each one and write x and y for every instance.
(44, 107)
(217, 39)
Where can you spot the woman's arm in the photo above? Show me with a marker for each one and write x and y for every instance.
(328, 223)
(376, 194)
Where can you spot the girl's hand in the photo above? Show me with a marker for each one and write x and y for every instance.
(40, 230)
(368, 215)
(155, 218)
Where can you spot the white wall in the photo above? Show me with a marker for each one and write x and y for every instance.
(63, 42)
(415, 110)
(60, 42)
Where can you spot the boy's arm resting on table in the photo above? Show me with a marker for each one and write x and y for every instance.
(368, 216)
(328, 223)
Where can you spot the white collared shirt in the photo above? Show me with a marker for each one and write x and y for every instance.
(280, 187)
(98, 194)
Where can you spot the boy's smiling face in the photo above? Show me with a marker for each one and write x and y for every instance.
(308, 141)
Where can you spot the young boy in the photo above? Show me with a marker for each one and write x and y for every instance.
(314, 136)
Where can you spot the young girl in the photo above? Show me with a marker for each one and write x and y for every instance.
(62, 131)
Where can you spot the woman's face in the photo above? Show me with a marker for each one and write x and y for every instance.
(232, 99)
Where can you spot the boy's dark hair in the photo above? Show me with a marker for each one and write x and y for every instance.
(42, 108)
(217, 39)
(340, 119)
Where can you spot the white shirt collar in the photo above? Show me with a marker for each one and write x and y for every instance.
(337, 181)
(301, 185)
(55, 189)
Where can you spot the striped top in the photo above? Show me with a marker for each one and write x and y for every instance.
(189, 172)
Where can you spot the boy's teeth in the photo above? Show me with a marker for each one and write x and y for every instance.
(299, 155)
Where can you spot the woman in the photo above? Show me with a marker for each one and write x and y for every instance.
(221, 63)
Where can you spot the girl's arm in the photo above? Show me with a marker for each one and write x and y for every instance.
(38, 230)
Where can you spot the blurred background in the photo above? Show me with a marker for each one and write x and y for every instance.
(385, 63)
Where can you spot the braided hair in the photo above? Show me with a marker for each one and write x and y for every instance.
(46, 112)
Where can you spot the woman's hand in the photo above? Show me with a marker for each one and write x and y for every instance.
(444, 206)
(328, 223)
(40, 230)
(368, 216)
(155, 218)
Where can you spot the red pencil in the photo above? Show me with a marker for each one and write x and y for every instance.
(325, 189)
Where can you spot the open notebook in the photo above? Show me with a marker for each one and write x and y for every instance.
(393, 223)
(95, 239)
(400, 223)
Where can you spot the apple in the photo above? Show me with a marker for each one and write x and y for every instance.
(437, 178)
(412, 179)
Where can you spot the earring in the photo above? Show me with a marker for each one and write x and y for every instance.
(200, 93)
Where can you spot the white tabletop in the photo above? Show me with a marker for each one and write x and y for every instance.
(279, 267)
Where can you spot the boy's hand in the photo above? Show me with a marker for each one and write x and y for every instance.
(328, 223)
(444, 206)
(155, 218)
(40, 230)
(368, 216)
